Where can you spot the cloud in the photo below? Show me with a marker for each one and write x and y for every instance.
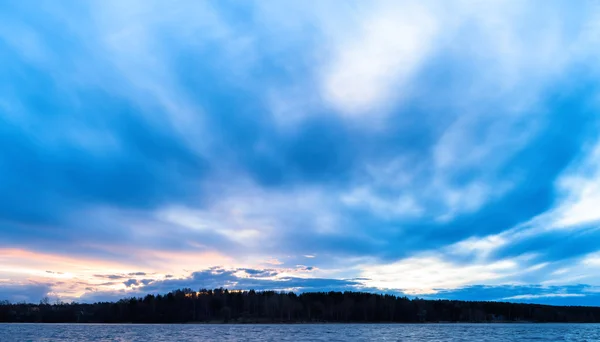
(547, 295)
(373, 64)
(550, 295)
(219, 277)
(581, 190)
(554, 245)
(131, 282)
(142, 140)
(110, 276)
(216, 277)
(28, 292)
(424, 274)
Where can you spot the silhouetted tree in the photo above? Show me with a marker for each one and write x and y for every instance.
(222, 305)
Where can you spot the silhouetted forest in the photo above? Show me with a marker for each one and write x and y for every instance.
(223, 306)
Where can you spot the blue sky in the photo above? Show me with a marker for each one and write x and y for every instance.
(434, 149)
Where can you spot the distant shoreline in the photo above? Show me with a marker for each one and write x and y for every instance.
(221, 306)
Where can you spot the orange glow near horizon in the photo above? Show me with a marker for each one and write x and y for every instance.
(73, 276)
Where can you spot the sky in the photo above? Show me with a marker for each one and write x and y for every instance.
(423, 148)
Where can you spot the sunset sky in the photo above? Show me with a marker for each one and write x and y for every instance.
(429, 148)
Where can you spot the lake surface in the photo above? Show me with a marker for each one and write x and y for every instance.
(300, 332)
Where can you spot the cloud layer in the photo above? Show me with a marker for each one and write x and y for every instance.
(408, 146)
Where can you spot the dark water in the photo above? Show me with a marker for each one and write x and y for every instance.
(317, 332)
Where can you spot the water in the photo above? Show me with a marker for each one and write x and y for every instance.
(300, 332)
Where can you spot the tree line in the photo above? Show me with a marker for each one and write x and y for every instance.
(224, 306)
